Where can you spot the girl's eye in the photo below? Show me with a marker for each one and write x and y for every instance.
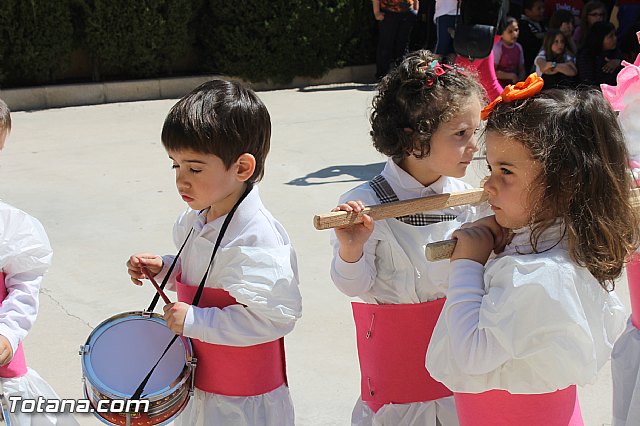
(461, 133)
(175, 166)
(194, 171)
(489, 167)
(506, 171)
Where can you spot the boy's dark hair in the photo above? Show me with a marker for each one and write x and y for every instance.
(222, 118)
(576, 138)
(5, 116)
(412, 101)
(559, 17)
(528, 4)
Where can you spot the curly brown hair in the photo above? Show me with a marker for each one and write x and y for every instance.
(412, 101)
(575, 136)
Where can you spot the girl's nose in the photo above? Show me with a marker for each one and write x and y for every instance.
(488, 186)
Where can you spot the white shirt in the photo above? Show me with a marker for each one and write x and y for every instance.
(391, 269)
(525, 322)
(25, 255)
(394, 269)
(257, 265)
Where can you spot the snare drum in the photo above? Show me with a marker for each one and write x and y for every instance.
(119, 354)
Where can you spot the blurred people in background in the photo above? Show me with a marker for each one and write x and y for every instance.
(445, 19)
(532, 30)
(594, 11)
(395, 22)
(599, 60)
(508, 57)
(563, 21)
(554, 64)
(572, 6)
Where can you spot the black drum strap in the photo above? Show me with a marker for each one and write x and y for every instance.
(137, 395)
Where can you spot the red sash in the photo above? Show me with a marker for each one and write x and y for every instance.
(633, 276)
(392, 347)
(501, 408)
(18, 365)
(234, 370)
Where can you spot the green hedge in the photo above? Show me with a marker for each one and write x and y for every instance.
(125, 39)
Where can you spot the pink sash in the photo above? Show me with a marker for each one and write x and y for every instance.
(501, 408)
(18, 365)
(633, 276)
(234, 370)
(392, 347)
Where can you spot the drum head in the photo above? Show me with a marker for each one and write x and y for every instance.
(123, 350)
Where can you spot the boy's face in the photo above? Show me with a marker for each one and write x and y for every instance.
(536, 13)
(203, 181)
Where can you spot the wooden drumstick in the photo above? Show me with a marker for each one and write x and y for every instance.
(441, 250)
(155, 284)
(400, 208)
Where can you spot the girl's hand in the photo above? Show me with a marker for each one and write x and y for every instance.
(478, 239)
(379, 16)
(151, 262)
(611, 65)
(6, 353)
(174, 315)
(353, 237)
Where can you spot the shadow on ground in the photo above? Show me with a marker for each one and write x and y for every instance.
(367, 87)
(358, 173)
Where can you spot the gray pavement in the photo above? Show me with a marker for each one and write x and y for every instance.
(99, 180)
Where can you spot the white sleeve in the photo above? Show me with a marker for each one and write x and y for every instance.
(25, 255)
(354, 279)
(475, 350)
(264, 281)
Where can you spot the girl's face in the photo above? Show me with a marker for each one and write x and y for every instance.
(609, 41)
(512, 173)
(452, 147)
(203, 181)
(510, 34)
(558, 45)
(596, 15)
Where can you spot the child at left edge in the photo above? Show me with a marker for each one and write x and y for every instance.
(25, 256)
(217, 138)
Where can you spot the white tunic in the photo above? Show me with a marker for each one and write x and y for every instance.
(525, 322)
(25, 255)
(257, 265)
(394, 270)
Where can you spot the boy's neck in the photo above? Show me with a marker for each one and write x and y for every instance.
(224, 206)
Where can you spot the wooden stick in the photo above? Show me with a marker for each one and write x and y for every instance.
(400, 208)
(441, 250)
(155, 284)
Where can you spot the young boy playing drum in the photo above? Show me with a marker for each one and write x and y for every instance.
(236, 262)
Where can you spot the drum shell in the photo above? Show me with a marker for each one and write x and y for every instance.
(165, 403)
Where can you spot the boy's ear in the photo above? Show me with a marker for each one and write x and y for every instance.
(245, 166)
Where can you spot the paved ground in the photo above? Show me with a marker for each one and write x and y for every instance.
(100, 182)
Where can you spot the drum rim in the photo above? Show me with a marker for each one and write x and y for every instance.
(88, 372)
(164, 422)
